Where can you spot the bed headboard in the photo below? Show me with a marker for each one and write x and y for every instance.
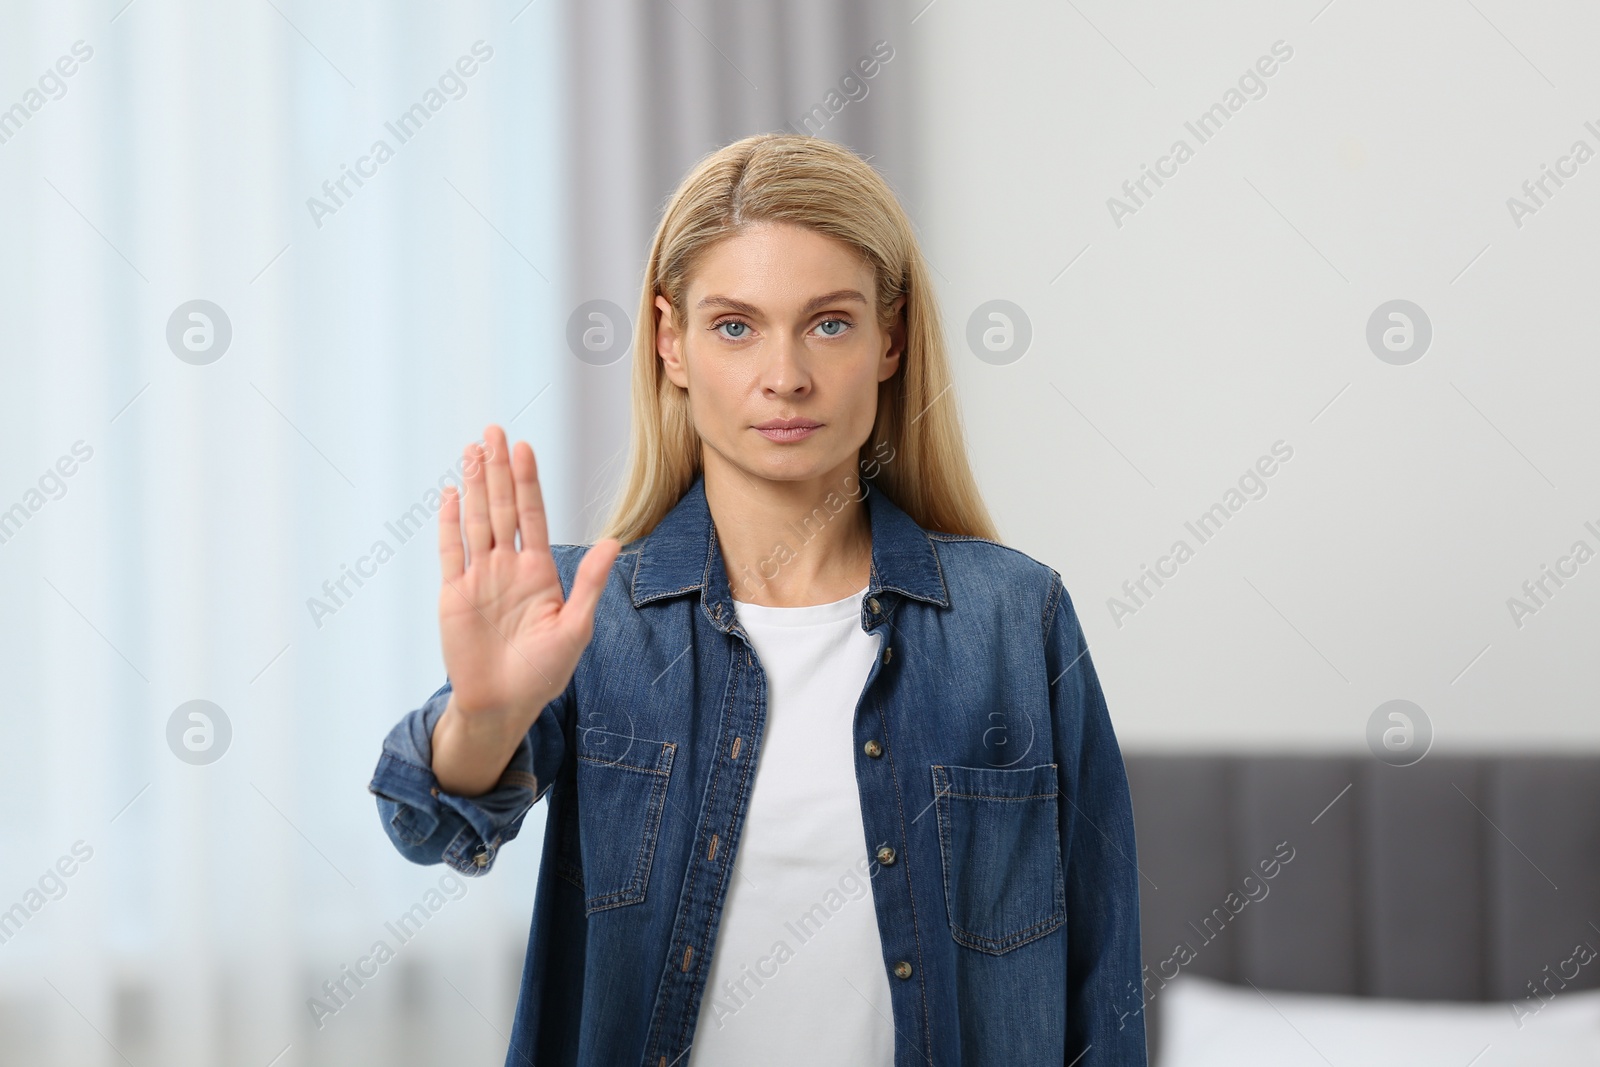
(1458, 878)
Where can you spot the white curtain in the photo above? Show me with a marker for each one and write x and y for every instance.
(213, 492)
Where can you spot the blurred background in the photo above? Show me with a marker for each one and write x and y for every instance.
(266, 266)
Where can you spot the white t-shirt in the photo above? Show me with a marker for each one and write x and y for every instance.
(798, 974)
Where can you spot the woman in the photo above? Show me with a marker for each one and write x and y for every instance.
(831, 777)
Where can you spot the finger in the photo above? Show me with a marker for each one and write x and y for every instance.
(530, 500)
(477, 502)
(452, 557)
(502, 504)
(588, 584)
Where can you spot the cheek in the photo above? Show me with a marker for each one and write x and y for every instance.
(860, 381)
(726, 379)
(716, 390)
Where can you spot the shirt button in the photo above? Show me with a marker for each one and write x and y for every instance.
(481, 859)
(872, 748)
(886, 855)
(902, 969)
(872, 602)
(887, 652)
(434, 790)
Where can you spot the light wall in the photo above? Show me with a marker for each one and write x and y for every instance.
(1174, 345)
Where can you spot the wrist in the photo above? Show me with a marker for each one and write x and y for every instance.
(471, 750)
(488, 730)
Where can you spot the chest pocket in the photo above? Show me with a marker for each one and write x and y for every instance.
(1000, 842)
(610, 820)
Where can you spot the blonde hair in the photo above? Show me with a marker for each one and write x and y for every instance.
(810, 182)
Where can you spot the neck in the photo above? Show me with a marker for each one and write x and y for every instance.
(790, 543)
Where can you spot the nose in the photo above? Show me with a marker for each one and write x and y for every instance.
(784, 372)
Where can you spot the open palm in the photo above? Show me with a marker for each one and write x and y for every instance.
(511, 639)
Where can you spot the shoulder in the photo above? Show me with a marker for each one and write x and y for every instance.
(965, 554)
(987, 574)
(567, 558)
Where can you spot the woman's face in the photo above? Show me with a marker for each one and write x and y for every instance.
(780, 327)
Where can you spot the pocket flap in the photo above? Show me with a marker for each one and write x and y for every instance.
(996, 783)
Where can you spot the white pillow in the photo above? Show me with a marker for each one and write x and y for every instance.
(1212, 1024)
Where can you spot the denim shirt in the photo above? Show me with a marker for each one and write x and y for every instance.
(999, 846)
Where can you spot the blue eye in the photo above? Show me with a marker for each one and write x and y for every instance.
(735, 323)
(841, 323)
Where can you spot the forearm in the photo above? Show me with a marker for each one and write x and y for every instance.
(429, 825)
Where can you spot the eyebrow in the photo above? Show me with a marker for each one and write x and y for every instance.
(816, 303)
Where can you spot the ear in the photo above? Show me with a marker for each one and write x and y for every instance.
(669, 344)
(895, 343)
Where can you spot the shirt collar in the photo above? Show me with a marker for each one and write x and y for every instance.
(681, 555)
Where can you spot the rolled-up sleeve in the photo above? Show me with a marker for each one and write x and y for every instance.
(429, 825)
(1105, 996)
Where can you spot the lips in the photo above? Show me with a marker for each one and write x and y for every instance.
(788, 424)
(795, 429)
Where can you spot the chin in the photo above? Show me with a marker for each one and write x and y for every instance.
(790, 468)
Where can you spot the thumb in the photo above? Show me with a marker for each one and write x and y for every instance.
(577, 614)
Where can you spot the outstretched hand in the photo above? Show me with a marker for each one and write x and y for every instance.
(511, 639)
